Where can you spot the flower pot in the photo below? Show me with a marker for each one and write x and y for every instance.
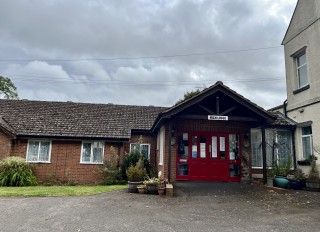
(281, 182)
(132, 186)
(152, 188)
(297, 184)
(141, 190)
(161, 191)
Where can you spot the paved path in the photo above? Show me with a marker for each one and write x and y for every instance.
(196, 207)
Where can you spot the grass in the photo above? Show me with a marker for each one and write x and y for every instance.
(43, 191)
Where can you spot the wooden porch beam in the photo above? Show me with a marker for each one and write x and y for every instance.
(206, 109)
(229, 110)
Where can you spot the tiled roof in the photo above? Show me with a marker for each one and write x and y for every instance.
(282, 120)
(68, 119)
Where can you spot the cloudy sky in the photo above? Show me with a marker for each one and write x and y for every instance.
(143, 52)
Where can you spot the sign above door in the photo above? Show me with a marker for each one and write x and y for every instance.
(217, 118)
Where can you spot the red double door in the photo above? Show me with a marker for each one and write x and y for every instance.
(208, 156)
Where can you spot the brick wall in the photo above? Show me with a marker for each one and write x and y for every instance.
(5, 145)
(65, 164)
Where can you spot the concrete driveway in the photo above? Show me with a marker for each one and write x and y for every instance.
(196, 207)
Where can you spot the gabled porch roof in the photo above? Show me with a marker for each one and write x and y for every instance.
(217, 100)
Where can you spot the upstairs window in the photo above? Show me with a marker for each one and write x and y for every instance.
(144, 149)
(38, 151)
(92, 153)
(301, 64)
(306, 141)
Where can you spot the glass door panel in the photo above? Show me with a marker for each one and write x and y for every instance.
(194, 150)
(203, 145)
(214, 147)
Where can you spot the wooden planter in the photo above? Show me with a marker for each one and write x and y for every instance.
(132, 186)
(313, 184)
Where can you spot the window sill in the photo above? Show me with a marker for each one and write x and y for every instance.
(301, 89)
(91, 163)
(303, 162)
(38, 162)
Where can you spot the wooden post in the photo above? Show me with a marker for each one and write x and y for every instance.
(169, 151)
(264, 156)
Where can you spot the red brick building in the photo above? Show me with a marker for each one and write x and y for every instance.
(207, 137)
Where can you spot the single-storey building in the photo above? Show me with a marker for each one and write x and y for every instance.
(217, 135)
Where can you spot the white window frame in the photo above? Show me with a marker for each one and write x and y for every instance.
(39, 140)
(91, 153)
(140, 145)
(311, 142)
(161, 143)
(298, 67)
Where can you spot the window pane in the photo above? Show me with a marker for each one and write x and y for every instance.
(256, 148)
(306, 146)
(194, 146)
(135, 147)
(306, 130)
(233, 146)
(44, 151)
(97, 152)
(145, 150)
(203, 151)
(33, 151)
(86, 152)
(183, 145)
(214, 142)
(301, 59)
(302, 74)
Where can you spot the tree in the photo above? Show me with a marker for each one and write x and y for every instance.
(7, 89)
(188, 95)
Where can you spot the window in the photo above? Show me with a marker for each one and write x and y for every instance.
(306, 142)
(39, 151)
(92, 153)
(278, 146)
(301, 64)
(144, 149)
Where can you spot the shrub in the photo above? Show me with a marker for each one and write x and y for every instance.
(132, 159)
(15, 171)
(137, 172)
(111, 170)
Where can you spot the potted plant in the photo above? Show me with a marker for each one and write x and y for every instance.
(298, 180)
(135, 176)
(141, 189)
(313, 181)
(151, 184)
(281, 170)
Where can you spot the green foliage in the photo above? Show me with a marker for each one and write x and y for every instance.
(137, 172)
(15, 171)
(132, 159)
(111, 171)
(7, 88)
(314, 172)
(188, 95)
(282, 167)
(299, 175)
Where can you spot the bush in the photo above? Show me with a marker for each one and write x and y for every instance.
(137, 172)
(111, 170)
(15, 171)
(132, 159)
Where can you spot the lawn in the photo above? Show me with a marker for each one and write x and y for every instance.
(42, 191)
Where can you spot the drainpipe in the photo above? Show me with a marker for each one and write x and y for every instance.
(169, 151)
(264, 155)
(294, 148)
(285, 107)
